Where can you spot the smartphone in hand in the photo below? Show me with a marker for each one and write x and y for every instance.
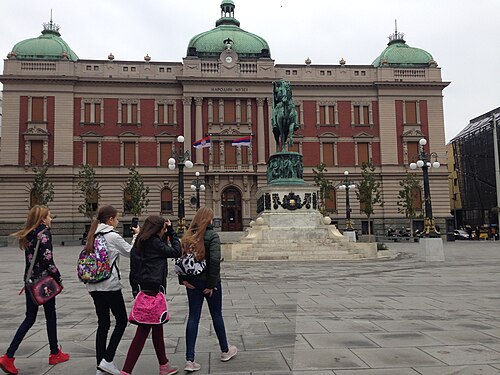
(135, 222)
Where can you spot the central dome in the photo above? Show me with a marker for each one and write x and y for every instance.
(398, 53)
(227, 30)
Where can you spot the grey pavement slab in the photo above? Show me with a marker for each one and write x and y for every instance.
(402, 316)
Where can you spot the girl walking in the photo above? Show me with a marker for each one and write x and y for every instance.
(203, 242)
(148, 273)
(107, 294)
(36, 230)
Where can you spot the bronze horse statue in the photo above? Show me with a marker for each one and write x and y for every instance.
(284, 116)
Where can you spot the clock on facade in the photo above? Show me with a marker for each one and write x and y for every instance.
(229, 59)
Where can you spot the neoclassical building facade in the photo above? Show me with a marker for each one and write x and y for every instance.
(69, 111)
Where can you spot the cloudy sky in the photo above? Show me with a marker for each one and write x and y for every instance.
(462, 36)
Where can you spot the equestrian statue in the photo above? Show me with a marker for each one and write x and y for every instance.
(284, 118)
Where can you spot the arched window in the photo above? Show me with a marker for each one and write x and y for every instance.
(166, 201)
(416, 193)
(127, 202)
(94, 200)
(33, 198)
(331, 201)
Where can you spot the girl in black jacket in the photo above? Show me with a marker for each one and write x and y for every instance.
(148, 272)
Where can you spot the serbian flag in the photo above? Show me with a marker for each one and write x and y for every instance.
(202, 143)
(245, 141)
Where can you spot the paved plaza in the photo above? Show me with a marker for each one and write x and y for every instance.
(401, 316)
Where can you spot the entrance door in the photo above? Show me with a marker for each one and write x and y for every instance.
(231, 210)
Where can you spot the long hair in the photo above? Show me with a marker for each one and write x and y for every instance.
(103, 215)
(35, 216)
(193, 240)
(152, 225)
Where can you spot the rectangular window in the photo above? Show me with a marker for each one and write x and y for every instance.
(244, 155)
(328, 156)
(129, 154)
(331, 114)
(88, 108)
(161, 114)
(363, 155)
(37, 106)
(229, 153)
(170, 113)
(357, 114)
(92, 153)
(322, 114)
(417, 198)
(97, 113)
(411, 112)
(216, 155)
(366, 115)
(331, 201)
(124, 113)
(229, 111)
(412, 152)
(165, 153)
(133, 108)
(215, 108)
(36, 153)
(244, 117)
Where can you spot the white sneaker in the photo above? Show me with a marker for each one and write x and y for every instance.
(108, 367)
(231, 352)
(99, 372)
(192, 366)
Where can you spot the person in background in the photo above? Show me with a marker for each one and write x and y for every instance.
(148, 273)
(107, 294)
(36, 229)
(201, 240)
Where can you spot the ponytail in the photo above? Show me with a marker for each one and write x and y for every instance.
(89, 245)
(103, 215)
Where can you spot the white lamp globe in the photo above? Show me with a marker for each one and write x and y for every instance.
(422, 142)
(436, 164)
(197, 174)
(171, 161)
(352, 186)
(413, 165)
(171, 166)
(346, 173)
(202, 187)
(342, 187)
(428, 164)
(180, 139)
(193, 187)
(420, 163)
(188, 164)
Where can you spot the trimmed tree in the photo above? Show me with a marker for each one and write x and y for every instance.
(406, 198)
(368, 193)
(137, 192)
(42, 190)
(324, 186)
(89, 190)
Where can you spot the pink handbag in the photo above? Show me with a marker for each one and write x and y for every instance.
(149, 308)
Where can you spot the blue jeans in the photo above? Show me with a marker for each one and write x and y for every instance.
(31, 311)
(195, 299)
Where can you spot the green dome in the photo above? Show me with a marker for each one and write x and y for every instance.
(228, 34)
(48, 46)
(398, 53)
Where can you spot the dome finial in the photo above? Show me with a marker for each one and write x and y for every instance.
(51, 27)
(227, 14)
(396, 37)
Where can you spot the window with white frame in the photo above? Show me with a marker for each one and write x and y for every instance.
(411, 112)
(129, 112)
(165, 112)
(361, 114)
(327, 113)
(92, 112)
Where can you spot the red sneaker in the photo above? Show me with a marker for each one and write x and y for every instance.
(7, 365)
(60, 357)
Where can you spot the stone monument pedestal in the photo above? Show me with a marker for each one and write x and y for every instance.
(431, 249)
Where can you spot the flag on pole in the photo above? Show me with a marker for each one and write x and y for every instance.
(245, 141)
(202, 143)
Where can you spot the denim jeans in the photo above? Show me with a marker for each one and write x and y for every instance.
(195, 300)
(31, 312)
(105, 302)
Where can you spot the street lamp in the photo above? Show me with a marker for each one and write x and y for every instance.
(197, 185)
(182, 159)
(424, 162)
(347, 185)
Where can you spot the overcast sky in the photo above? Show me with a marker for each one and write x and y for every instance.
(462, 36)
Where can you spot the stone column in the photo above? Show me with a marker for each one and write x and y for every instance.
(199, 129)
(261, 152)
(187, 123)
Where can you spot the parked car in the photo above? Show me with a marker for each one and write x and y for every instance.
(461, 234)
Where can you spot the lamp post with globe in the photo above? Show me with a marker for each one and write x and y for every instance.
(424, 162)
(182, 160)
(198, 186)
(347, 185)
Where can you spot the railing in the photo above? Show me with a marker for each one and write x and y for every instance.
(39, 66)
(209, 67)
(409, 73)
(248, 68)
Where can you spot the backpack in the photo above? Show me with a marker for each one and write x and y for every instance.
(187, 265)
(95, 267)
